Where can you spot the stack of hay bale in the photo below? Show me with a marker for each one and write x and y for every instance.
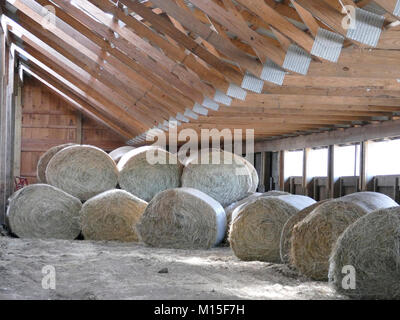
(105, 196)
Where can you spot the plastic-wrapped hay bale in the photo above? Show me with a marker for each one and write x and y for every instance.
(254, 176)
(44, 160)
(149, 170)
(43, 211)
(117, 154)
(370, 246)
(112, 215)
(224, 177)
(286, 235)
(82, 171)
(276, 193)
(370, 201)
(182, 218)
(256, 228)
(313, 238)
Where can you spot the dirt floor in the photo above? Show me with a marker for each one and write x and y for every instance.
(109, 270)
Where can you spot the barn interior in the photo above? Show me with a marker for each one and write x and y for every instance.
(310, 89)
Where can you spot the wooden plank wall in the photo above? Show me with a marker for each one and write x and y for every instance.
(48, 120)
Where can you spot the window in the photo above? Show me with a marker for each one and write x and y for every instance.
(293, 165)
(384, 157)
(318, 162)
(347, 161)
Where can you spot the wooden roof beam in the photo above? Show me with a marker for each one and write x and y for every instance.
(108, 110)
(149, 85)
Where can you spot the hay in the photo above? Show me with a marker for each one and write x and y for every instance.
(286, 235)
(112, 215)
(225, 182)
(313, 238)
(370, 201)
(82, 171)
(145, 179)
(182, 218)
(44, 160)
(234, 207)
(117, 154)
(371, 245)
(43, 211)
(256, 228)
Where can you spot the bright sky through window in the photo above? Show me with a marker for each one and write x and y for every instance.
(293, 163)
(347, 161)
(384, 157)
(318, 162)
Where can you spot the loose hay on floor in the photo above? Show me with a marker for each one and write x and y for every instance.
(142, 175)
(44, 160)
(112, 215)
(182, 218)
(43, 211)
(226, 182)
(82, 171)
(371, 246)
(117, 154)
(286, 235)
(370, 201)
(313, 238)
(256, 229)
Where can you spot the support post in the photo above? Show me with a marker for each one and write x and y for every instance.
(7, 125)
(282, 170)
(306, 172)
(365, 177)
(331, 172)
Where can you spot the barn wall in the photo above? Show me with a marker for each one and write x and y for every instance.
(48, 120)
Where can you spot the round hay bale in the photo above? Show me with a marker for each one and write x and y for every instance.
(286, 235)
(254, 176)
(82, 171)
(182, 218)
(143, 175)
(256, 227)
(44, 160)
(43, 211)
(112, 215)
(313, 238)
(276, 193)
(117, 154)
(371, 246)
(370, 201)
(227, 181)
(234, 207)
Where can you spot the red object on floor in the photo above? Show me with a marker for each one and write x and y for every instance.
(20, 182)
